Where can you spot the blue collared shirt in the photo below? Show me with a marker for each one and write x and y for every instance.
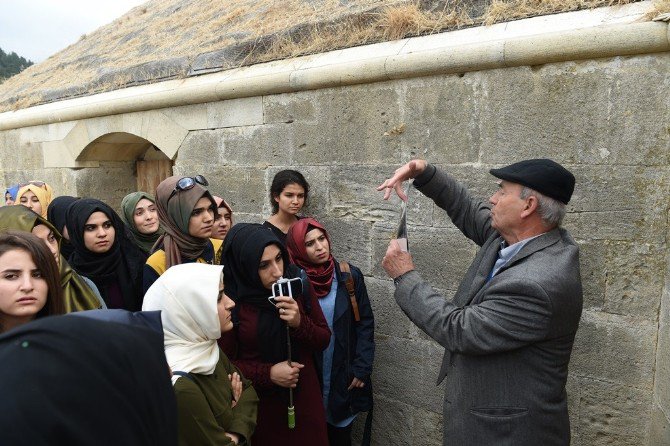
(507, 252)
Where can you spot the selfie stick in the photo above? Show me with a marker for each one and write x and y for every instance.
(291, 408)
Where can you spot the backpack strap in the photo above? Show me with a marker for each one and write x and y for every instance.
(184, 374)
(344, 267)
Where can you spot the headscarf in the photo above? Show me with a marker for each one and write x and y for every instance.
(320, 276)
(174, 214)
(43, 193)
(122, 263)
(186, 295)
(56, 215)
(12, 190)
(242, 253)
(77, 295)
(221, 203)
(76, 381)
(144, 241)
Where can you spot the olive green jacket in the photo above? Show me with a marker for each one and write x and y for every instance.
(204, 407)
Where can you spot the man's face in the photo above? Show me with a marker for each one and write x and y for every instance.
(507, 207)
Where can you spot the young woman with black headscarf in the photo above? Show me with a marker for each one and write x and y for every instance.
(105, 253)
(253, 260)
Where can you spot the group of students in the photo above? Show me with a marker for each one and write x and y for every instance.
(250, 362)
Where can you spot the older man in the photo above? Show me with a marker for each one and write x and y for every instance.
(508, 331)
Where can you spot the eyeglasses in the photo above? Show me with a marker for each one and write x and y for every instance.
(187, 183)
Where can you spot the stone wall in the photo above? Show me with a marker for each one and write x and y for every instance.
(606, 120)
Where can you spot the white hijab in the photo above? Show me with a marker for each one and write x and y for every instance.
(186, 295)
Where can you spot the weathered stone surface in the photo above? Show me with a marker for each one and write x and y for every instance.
(389, 318)
(574, 116)
(442, 126)
(634, 278)
(351, 241)
(110, 182)
(235, 113)
(611, 414)
(615, 349)
(289, 108)
(426, 428)
(349, 127)
(391, 425)
(201, 146)
(660, 427)
(592, 259)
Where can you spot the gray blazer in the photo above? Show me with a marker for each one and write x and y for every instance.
(507, 341)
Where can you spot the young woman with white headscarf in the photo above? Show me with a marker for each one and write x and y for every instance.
(216, 405)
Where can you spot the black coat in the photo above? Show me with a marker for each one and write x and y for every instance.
(354, 350)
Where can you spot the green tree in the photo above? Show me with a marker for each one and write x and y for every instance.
(11, 64)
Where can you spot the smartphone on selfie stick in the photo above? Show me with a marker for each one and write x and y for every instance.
(290, 288)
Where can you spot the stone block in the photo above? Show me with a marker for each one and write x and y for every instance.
(288, 108)
(389, 318)
(660, 427)
(574, 116)
(353, 125)
(611, 414)
(635, 278)
(426, 428)
(190, 117)
(266, 145)
(235, 112)
(616, 349)
(409, 373)
(441, 119)
(592, 260)
(391, 425)
(351, 241)
(110, 182)
(201, 146)
(662, 377)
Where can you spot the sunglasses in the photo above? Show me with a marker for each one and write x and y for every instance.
(33, 183)
(187, 183)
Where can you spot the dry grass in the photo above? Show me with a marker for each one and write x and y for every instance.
(119, 54)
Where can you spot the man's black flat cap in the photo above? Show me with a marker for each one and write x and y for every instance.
(543, 175)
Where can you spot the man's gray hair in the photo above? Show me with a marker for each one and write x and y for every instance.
(552, 211)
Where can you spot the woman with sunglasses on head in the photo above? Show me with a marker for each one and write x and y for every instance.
(36, 196)
(29, 287)
(224, 220)
(186, 212)
(105, 253)
(139, 213)
(216, 404)
(254, 260)
(288, 195)
(346, 365)
(79, 293)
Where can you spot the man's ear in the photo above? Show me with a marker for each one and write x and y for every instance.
(530, 206)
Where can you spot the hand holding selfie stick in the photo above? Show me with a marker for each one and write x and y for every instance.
(282, 287)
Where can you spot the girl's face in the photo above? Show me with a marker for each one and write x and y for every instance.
(30, 200)
(201, 222)
(23, 290)
(291, 199)
(145, 217)
(224, 306)
(46, 234)
(8, 199)
(271, 266)
(99, 233)
(317, 247)
(223, 224)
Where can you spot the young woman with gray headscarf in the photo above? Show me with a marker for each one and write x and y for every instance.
(186, 212)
